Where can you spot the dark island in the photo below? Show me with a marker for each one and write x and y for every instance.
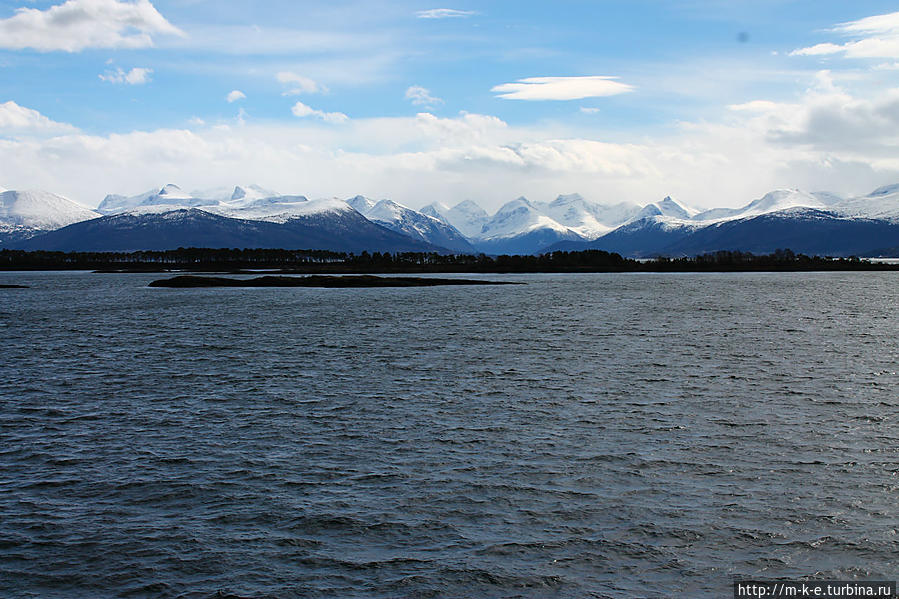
(186, 281)
(13, 286)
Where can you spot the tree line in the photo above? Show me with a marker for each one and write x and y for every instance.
(324, 261)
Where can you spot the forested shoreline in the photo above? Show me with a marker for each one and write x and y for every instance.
(327, 262)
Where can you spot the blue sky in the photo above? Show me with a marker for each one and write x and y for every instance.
(712, 101)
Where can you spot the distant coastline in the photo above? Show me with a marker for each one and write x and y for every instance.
(258, 261)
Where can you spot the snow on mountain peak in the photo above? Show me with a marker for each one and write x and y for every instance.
(517, 217)
(248, 193)
(168, 195)
(437, 210)
(588, 218)
(172, 191)
(780, 199)
(568, 198)
(881, 203)
(467, 217)
(671, 207)
(648, 211)
(469, 206)
(416, 224)
(885, 190)
(280, 209)
(773, 201)
(40, 210)
(388, 211)
(361, 204)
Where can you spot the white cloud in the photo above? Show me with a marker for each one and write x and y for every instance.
(826, 138)
(234, 96)
(136, 76)
(589, 110)
(444, 13)
(302, 110)
(299, 84)
(421, 96)
(818, 50)
(79, 24)
(561, 88)
(887, 23)
(15, 118)
(466, 129)
(758, 106)
(877, 37)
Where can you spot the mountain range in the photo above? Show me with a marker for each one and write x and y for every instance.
(254, 217)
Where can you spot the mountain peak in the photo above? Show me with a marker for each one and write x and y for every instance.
(361, 204)
(671, 207)
(567, 198)
(40, 210)
(169, 189)
(517, 217)
(885, 190)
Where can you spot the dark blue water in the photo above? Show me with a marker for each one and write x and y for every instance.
(580, 436)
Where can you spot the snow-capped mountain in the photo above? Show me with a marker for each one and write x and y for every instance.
(588, 219)
(467, 217)
(250, 193)
(517, 218)
(24, 214)
(813, 223)
(279, 209)
(882, 203)
(412, 223)
(361, 204)
(436, 210)
(252, 216)
(168, 195)
(523, 226)
(780, 199)
(519, 227)
(666, 208)
(804, 230)
(336, 229)
(647, 234)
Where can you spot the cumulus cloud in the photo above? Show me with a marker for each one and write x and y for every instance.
(17, 119)
(561, 88)
(421, 96)
(839, 123)
(136, 76)
(299, 84)
(444, 13)
(302, 110)
(234, 96)
(827, 138)
(876, 37)
(79, 24)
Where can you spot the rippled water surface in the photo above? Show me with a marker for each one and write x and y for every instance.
(578, 436)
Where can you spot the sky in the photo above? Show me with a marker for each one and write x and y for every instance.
(713, 102)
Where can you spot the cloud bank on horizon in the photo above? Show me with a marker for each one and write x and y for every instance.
(712, 103)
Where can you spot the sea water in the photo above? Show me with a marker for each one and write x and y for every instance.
(607, 435)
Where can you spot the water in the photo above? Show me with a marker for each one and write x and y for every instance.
(579, 436)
